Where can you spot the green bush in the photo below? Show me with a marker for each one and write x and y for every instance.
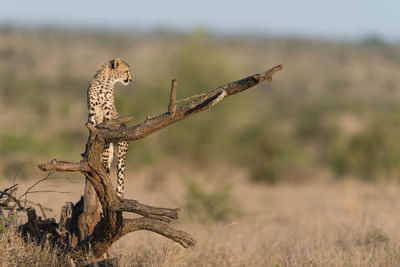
(376, 236)
(13, 142)
(217, 205)
(268, 152)
(200, 68)
(312, 124)
(372, 154)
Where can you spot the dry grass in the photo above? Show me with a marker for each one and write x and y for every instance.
(345, 223)
(295, 226)
(14, 251)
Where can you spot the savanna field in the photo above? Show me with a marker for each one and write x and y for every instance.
(303, 171)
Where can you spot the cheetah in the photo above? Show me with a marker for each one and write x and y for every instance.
(100, 100)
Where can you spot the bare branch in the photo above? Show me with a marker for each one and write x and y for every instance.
(172, 98)
(190, 98)
(8, 192)
(48, 191)
(11, 197)
(115, 122)
(35, 184)
(183, 238)
(64, 166)
(21, 204)
(162, 214)
(11, 189)
(151, 125)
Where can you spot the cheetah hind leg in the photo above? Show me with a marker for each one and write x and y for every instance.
(121, 158)
(108, 153)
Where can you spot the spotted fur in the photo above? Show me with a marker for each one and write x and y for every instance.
(100, 97)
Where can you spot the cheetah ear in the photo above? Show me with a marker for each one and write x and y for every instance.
(115, 63)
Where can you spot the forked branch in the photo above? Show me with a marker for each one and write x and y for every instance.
(64, 166)
(162, 214)
(183, 238)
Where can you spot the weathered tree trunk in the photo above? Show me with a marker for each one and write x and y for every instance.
(97, 233)
(91, 212)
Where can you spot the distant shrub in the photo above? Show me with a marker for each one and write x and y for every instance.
(267, 152)
(200, 67)
(373, 154)
(312, 125)
(12, 142)
(376, 236)
(373, 41)
(68, 141)
(217, 205)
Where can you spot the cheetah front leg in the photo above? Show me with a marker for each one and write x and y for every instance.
(121, 158)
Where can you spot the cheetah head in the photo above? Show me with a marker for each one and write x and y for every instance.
(120, 71)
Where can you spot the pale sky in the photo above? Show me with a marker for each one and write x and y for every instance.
(344, 19)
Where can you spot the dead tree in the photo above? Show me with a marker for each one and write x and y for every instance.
(111, 225)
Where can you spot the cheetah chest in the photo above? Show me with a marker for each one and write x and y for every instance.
(104, 107)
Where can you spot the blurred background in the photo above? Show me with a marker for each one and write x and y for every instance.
(331, 116)
(332, 112)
